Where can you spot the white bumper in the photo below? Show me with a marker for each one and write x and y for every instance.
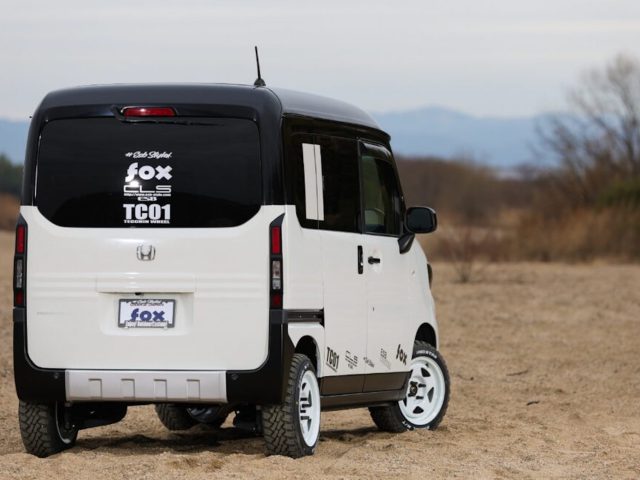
(144, 385)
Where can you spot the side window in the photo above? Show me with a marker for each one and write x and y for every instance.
(381, 196)
(340, 179)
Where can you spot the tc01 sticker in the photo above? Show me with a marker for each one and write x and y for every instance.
(333, 359)
(148, 186)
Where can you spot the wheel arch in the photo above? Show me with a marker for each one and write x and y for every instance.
(427, 333)
(308, 346)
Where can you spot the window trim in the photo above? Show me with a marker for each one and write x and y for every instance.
(365, 144)
(315, 137)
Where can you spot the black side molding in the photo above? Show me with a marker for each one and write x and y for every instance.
(33, 384)
(346, 391)
(368, 399)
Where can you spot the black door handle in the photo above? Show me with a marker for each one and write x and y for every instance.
(373, 260)
(360, 261)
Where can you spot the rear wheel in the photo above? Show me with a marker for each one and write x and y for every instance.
(46, 429)
(293, 427)
(427, 396)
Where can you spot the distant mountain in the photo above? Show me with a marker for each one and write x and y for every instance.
(13, 138)
(500, 142)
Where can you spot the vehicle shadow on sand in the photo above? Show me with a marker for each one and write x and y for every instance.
(200, 439)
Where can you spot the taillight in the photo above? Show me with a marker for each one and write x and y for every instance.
(148, 112)
(275, 262)
(20, 266)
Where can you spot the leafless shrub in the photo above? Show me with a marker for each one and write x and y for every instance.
(470, 250)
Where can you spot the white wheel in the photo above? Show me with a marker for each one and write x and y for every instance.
(293, 427)
(427, 395)
(426, 392)
(309, 408)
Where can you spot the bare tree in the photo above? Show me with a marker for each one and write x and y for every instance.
(600, 141)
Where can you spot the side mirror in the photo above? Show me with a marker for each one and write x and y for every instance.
(421, 220)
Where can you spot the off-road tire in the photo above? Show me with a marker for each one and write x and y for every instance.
(280, 423)
(40, 432)
(220, 416)
(390, 418)
(175, 417)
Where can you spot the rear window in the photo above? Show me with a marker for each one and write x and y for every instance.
(102, 172)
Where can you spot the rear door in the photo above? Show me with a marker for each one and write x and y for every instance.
(344, 283)
(387, 271)
(148, 245)
(325, 188)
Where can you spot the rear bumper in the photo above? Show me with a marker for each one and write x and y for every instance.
(264, 385)
(145, 386)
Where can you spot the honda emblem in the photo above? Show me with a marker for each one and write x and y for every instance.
(146, 252)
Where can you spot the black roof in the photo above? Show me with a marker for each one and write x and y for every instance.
(262, 104)
(286, 101)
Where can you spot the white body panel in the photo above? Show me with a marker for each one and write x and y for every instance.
(217, 276)
(345, 311)
(302, 275)
(391, 328)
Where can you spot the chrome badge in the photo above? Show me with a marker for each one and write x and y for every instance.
(146, 252)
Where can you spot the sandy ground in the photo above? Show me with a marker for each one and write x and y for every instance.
(545, 363)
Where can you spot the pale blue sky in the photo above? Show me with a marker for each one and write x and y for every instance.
(486, 57)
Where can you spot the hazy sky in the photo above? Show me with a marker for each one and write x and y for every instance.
(487, 57)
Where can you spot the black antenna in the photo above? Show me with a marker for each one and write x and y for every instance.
(259, 81)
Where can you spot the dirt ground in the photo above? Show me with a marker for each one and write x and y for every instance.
(545, 364)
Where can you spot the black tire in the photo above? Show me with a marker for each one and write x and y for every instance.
(391, 419)
(175, 417)
(281, 423)
(212, 416)
(43, 430)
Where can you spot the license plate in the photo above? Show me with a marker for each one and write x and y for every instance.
(146, 313)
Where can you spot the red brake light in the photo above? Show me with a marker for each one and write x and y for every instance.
(18, 299)
(148, 112)
(20, 239)
(276, 241)
(276, 300)
(20, 266)
(276, 263)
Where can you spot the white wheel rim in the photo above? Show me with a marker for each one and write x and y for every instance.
(425, 392)
(309, 408)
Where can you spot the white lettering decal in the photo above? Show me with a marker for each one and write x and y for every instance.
(147, 213)
(154, 154)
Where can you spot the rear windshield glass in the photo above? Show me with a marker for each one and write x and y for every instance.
(102, 172)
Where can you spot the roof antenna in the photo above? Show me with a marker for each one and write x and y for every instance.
(259, 81)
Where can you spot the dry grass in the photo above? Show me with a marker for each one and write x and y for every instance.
(9, 208)
(544, 363)
(582, 235)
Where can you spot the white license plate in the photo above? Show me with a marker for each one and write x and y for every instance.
(146, 313)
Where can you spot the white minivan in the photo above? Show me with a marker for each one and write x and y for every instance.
(217, 250)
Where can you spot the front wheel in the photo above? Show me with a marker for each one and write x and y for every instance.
(178, 417)
(46, 429)
(293, 427)
(427, 396)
